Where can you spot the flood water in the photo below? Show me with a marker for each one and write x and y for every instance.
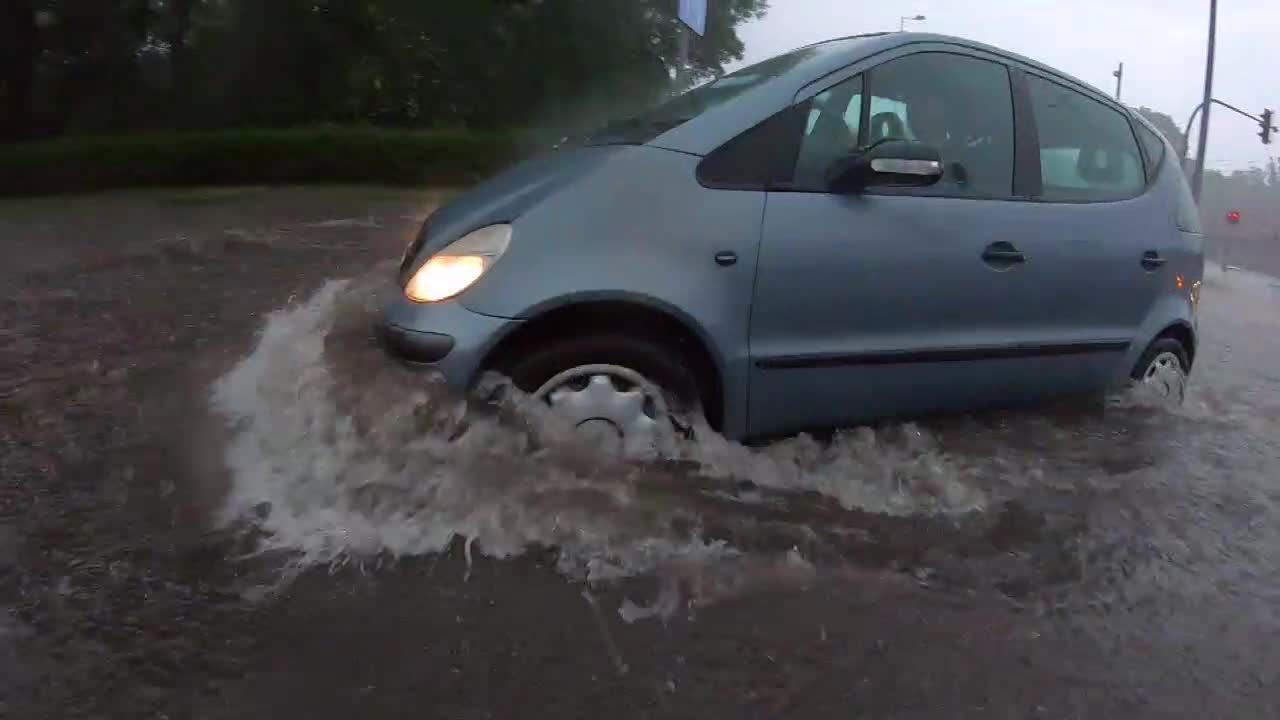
(220, 499)
(1122, 557)
(340, 456)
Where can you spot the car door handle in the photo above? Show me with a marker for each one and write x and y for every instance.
(1003, 255)
(1151, 260)
(726, 258)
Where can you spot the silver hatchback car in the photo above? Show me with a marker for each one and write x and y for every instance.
(867, 228)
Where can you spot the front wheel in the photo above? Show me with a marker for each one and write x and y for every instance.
(622, 394)
(1163, 370)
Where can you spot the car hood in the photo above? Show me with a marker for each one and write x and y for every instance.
(508, 195)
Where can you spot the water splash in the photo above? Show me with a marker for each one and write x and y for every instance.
(339, 452)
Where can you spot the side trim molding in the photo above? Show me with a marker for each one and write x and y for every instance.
(940, 355)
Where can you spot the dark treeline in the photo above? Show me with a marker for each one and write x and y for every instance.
(110, 66)
(106, 67)
(1255, 242)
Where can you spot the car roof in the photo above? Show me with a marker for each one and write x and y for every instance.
(809, 64)
(885, 41)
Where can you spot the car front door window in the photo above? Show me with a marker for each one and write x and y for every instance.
(835, 118)
(961, 105)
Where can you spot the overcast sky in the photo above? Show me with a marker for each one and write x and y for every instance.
(1161, 42)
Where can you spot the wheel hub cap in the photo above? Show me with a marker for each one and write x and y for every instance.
(603, 433)
(611, 407)
(1165, 376)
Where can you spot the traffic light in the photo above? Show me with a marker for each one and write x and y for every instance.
(1267, 128)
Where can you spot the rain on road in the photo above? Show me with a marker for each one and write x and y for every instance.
(220, 500)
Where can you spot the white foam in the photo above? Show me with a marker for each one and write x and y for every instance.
(337, 452)
(861, 468)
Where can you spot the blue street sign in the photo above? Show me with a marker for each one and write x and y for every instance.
(694, 14)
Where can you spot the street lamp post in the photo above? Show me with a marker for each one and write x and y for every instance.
(902, 21)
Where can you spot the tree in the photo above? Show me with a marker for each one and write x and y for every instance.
(19, 50)
(119, 65)
(1255, 192)
(175, 21)
(1166, 126)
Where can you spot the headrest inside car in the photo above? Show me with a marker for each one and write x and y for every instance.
(887, 125)
(1098, 164)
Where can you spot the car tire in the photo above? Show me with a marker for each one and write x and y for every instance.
(1156, 368)
(630, 362)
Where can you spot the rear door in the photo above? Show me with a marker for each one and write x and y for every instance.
(1107, 231)
(899, 302)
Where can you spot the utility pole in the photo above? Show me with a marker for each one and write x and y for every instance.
(1119, 75)
(1197, 178)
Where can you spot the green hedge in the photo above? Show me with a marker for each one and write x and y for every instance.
(299, 155)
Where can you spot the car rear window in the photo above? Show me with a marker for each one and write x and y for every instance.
(1153, 147)
(1088, 152)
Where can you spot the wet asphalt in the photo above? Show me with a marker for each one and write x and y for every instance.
(1123, 561)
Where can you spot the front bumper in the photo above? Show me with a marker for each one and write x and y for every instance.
(442, 336)
(415, 346)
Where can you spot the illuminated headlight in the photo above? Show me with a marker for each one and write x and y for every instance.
(459, 265)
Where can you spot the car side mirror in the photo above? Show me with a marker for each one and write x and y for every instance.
(887, 163)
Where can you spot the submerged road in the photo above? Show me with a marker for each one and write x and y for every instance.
(212, 510)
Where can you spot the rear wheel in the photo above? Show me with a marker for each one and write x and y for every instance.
(1163, 369)
(623, 394)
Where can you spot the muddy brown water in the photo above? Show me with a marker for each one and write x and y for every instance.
(218, 500)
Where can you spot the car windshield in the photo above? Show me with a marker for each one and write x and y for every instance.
(643, 127)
